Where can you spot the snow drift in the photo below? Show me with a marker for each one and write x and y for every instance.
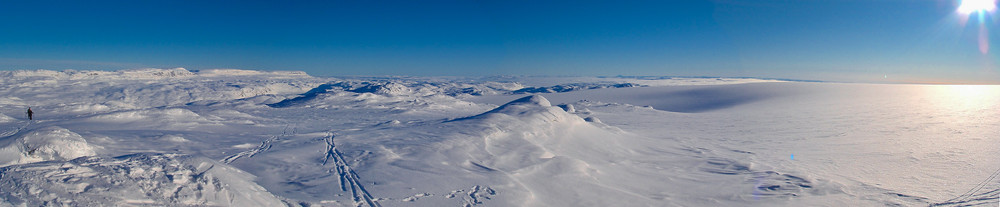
(50, 143)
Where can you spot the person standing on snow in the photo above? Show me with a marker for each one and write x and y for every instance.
(30, 113)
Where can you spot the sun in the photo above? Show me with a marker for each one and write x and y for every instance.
(970, 6)
(980, 9)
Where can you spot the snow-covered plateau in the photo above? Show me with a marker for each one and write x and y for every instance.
(176, 137)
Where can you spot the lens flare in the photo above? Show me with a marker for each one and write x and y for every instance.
(980, 8)
(984, 40)
(970, 6)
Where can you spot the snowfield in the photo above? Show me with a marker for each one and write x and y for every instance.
(176, 137)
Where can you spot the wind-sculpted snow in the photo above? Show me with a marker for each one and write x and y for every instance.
(50, 143)
(135, 179)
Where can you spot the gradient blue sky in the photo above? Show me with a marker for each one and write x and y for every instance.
(839, 40)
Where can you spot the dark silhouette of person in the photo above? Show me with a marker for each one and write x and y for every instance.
(30, 113)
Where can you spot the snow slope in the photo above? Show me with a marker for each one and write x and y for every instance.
(228, 137)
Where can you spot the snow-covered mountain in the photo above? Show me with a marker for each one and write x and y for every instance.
(178, 137)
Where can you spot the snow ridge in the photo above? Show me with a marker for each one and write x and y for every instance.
(525, 103)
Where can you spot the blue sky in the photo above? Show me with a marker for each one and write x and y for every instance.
(839, 40)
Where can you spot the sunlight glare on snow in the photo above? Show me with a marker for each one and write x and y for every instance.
(969, 91)
(966, 97)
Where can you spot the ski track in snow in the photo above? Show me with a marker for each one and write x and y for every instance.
(973, 197)
(346, 175)
(264, 146)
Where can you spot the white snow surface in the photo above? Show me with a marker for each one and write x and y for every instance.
(175, 137)
(50, 143)
(6, 119)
